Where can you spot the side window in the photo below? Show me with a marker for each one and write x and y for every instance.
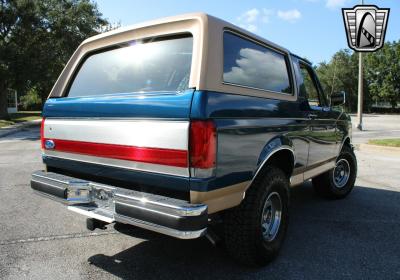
(309, 88)
(252, 65)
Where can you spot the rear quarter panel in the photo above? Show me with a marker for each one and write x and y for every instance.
(249, 129)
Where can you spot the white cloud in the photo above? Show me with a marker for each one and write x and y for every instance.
(266, 15)
(249, 16)
(332, 4)
(257, 68)
(290, 15)
(254, 18)
(248, 20)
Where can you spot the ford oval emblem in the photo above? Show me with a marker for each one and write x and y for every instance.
(49, 144)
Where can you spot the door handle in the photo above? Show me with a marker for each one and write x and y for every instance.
(312, 116)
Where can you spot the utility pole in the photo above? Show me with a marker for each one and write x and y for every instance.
(360, 88)
(360, 92)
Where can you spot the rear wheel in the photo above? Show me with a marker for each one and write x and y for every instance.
(338, 182)
(254, 231)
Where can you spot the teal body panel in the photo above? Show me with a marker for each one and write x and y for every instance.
(249, 130)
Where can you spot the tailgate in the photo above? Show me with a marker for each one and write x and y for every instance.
(135, 140)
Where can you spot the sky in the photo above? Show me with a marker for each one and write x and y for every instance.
(310, 28)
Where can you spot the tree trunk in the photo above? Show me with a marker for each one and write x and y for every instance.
(3, 102)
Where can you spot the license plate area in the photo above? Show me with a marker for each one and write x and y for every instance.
(92, 195)
(103, 197)
(99, 201)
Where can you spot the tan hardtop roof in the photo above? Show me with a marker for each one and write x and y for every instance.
(204, 18)
(207, 59)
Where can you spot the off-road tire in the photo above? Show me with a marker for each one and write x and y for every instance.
(324, 184)
(243, 235)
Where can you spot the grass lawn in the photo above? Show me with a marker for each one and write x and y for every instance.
(21, 116)
(385, 142)
(5, 123)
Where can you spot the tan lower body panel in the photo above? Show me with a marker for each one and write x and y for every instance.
(319, 169)
(221, 199)
(296, 179)
(303, 174)
(232, 196)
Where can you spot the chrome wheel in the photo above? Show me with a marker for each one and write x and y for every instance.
(341, 173)
(271, 216)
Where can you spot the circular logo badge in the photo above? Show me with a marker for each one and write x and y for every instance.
(49, 144)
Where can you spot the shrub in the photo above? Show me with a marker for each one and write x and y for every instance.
(31, 101)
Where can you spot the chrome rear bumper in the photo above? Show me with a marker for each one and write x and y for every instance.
(174, 217)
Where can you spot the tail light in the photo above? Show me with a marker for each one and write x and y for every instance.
(42, 133)
(203, 145)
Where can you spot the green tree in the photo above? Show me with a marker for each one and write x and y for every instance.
(381, 75)
(38, 37)
(340, 74)
(382, 71)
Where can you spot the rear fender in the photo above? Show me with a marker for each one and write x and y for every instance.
(273, 147)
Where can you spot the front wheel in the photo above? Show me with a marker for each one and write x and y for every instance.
(338, 182)
(254, 231)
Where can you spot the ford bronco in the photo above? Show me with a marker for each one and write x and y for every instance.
(188, 123)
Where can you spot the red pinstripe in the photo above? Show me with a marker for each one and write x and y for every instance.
(169, 157)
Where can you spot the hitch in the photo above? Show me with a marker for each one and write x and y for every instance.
(92, 224)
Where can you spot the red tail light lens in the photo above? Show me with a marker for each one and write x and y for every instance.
(203, 144)
(42, 133)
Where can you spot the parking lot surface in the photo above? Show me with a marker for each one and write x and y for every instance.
(354, 238)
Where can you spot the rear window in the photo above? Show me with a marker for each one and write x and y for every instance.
(141, 66)
(252, 65)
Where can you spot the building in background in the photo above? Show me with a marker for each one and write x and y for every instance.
(12, 101)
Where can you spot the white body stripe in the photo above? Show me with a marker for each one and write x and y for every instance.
(139, 133)
(132, 165)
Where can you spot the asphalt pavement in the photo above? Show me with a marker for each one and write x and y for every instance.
(354, 238)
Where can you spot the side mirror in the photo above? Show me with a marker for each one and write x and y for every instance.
(338, 99)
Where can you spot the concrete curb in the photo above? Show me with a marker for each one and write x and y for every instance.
(378, 149)
(5, 131)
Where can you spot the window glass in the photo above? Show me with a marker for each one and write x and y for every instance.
(252, 65)
(140, 66)
(307, 86)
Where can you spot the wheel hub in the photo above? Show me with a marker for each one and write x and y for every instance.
(341, 173)
(271, 216)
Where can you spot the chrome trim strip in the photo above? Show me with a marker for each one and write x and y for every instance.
(139, 133)
(319, 169)
(283, 147)
(131, 165)
(161, 229)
